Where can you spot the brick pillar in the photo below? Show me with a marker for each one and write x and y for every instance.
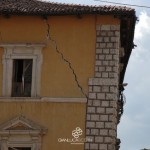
(101, 120)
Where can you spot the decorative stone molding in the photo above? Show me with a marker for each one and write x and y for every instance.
(22, 51)
(21, 132)
(43, 99)
(101, 119)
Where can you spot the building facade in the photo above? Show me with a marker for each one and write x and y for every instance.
(62, 70)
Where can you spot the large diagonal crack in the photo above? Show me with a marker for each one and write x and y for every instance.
(64, 59)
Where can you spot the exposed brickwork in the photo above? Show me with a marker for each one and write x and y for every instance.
(101, 123)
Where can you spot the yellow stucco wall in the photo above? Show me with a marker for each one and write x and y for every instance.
(76, 39)
(59, 118)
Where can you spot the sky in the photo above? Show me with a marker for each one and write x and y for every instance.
(134, 129)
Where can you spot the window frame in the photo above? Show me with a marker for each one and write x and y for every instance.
(30, 136)
(20, 145)
(22, 51)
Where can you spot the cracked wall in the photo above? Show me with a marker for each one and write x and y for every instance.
(73, 41)
(76, 40)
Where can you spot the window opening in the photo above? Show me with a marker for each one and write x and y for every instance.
(22, 78)
(19, 148)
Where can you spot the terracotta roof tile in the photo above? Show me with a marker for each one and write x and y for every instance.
(36, 7)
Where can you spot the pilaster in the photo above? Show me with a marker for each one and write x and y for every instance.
(101, 119)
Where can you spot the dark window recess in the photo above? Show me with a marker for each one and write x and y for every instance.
(19, 148)
(22, 78)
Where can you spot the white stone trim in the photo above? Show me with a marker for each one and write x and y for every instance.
(32, 137)
(22, 51)
(43, 99)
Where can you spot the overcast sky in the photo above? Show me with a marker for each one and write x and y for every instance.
(134, 129)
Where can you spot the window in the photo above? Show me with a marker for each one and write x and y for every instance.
(22, 70)
(21, 133)
(19, 148)
(22, 77)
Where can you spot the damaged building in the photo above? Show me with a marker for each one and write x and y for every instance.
(62, 70)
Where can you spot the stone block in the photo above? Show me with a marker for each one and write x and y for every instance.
(99, 39)
(112, 133)
(98, 74)
(96, 69)
(111, 96)
(113, 51)
(105, 51)
(105, 103)
(109, 69)
(115, 57)
(100, 125)
(92, 95)
(106, 39)
(109, 45)
(98, 63)
(103, 33)
(90, 139)
(90, 124)
(109, 110)
(94, 117)
(88, 117)
(111, 147)
(99, 139)
(116, 69)
(91, 109)
(87, 131)
(90, 88)
(105, 88)
(94, 131)
(113, 89)
(101, 57)
(108, 125)
(114, 39)
(99, 51)
(98, 27)
(105, 63)
(105, 27)
(96, 103)
(103, 81)
(103, 147)
(115, 27)
(87, 146)
(108, 57)
(117, 33)
(108, 140)
(104, 117)
(100, 95)
(97, 57)
(113, 63)
(93, 146)
(100, 110)
(113, 104)
(90, 102)
(102, 45)
(104, 74)
(96, 88)
(111, 33)
(113, 75)
(102, 69)
(104, 132)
